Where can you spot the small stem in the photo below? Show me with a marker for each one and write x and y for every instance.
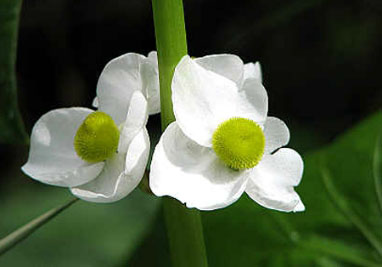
(20, 234)
(184, 226)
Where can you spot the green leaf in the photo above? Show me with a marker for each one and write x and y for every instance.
(11, 125)
(342, 224)
(345, 207)
(377, 169)
(86, 235)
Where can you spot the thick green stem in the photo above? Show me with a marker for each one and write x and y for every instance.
(172, 46)
(185, 234)
(184, 227)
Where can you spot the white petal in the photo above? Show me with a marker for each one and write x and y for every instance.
(300, 207)
(95, 102)
(137, 155)
(193, 174)
(203, 99)
(150, 82)
(117, 83)
(52, 158)
(254, 92)
(272, 182)
(276, 134)
(136, 119)
(253, 71)
(153, 57)
(121, 174)
(229, 66)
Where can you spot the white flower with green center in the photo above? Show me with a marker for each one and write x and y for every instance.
(222, 142)
(100, 155)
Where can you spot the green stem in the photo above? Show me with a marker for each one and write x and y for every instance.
(20, 234)
(184, 227)
(185, 234)
(171, 43)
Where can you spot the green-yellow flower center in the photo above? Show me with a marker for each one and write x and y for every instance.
(239, 143)
(97, 138)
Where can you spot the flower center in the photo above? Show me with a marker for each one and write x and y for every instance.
(97, 138)
(239, 143)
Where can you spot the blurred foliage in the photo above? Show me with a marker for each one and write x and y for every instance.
(11, 126)
(340, 227)
(87, 234)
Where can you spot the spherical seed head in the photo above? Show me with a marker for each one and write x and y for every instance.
(239, 143)
(97, 138)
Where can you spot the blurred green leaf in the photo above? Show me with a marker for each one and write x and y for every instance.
(345, 207)
(87, 234)
(245, 234)
(11, 125)
(377, 169)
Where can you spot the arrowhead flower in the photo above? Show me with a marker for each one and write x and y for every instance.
(222, 143)
(100, 155)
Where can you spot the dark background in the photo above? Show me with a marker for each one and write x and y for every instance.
(320, 60)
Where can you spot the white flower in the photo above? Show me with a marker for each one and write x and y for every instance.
(124, 75)
(221, 107)
(100, 155)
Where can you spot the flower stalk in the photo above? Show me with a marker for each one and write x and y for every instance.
(184, 227)
(23, 232)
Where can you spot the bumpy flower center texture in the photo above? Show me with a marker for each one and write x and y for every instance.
(97, 138)
(239, 143)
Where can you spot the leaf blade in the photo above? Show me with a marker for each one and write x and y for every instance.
(11, 124)
(349, 213)
(377, 170)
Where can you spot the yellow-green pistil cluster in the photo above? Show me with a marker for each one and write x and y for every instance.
(239, 143)
(97, 138)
